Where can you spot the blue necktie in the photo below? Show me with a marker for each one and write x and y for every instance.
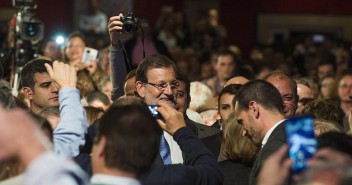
(165, 150)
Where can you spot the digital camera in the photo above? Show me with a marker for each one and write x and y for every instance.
(130, 23)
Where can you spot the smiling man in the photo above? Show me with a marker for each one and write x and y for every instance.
(287, 87)
(38, 86)
(259, 108)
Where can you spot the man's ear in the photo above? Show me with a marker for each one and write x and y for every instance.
(140, 89)
(28, 93)
(254, 109)
(101, 147)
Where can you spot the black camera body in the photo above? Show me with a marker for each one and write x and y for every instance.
(130, 23)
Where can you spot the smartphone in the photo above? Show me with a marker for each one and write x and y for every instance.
(154, 112)
(301, 140)
(89, 54)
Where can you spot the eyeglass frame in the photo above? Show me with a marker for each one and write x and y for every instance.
(160, 88)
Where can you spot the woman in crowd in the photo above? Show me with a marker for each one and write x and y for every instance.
(237, 154)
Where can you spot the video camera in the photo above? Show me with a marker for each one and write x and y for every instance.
(28, 26)
(28, 31)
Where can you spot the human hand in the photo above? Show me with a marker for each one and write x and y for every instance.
(173, 119)
(115, 28)
(276, 168)
(62, 74)
(92, 67)
(20, 136)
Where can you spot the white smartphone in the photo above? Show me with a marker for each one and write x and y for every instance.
(89, 54)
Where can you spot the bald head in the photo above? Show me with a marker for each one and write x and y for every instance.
(288, 90)
(237, 80)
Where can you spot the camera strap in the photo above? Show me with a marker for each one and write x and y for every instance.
(143, 41)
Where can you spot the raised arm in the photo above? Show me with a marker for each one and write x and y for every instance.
(69, 134)
(116, 59)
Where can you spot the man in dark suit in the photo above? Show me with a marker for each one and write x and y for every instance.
(259, 108)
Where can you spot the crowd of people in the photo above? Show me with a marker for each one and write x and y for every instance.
(193, 111)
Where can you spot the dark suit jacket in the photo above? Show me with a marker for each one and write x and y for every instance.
(275, 141)
(235, 173)
(200, 166)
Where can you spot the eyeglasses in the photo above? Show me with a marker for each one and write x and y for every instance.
(162, 86)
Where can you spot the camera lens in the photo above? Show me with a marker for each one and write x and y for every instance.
(128, 27)
(31, 29)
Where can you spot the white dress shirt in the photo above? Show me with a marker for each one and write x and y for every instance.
(175, 150)
(113, 180)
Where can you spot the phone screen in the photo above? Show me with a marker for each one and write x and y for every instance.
(89, 54)
(301, 140)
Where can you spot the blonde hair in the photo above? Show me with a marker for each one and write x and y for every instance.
(93, 113)
(323, 126)
(234, 146)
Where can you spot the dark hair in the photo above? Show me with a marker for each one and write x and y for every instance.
(325, 109)
(6, 98)
(77, 34)
(264, 93)
(230, 89)
(133, 135)
(130, 75)
(302, 81)
(98, 95)
(226, 52)
(183, 78)
(151, 62)
(31, 68)
(328, 59)
(341, 75)
(337, 141)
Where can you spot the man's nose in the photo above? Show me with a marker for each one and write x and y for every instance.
(168, 90)
(53, 88)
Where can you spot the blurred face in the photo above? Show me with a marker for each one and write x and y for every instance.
(287, 95)
(345, 89)
(52, 50)
(327, 86)
(181, 98)
(325, 70)
(107, 89)
(152, 92)
(225, 67)
(330, 156)
(250, 126)
(44, 93)
(74, 49)
(225, 106)
(305, 95)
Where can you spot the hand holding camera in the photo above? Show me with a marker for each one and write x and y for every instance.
(120, 24)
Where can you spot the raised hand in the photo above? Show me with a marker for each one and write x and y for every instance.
(62, 74)
(172, 119)
(115, 28)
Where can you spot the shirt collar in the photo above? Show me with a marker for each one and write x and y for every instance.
(113, 180)
(267, 135)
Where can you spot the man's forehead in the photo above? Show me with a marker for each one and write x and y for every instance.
(161, 74)
(42, 78)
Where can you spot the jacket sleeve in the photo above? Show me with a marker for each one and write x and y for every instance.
(70, 132)
(118, 70)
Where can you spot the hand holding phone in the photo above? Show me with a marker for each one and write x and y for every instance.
(89, 54)
(301, 140)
